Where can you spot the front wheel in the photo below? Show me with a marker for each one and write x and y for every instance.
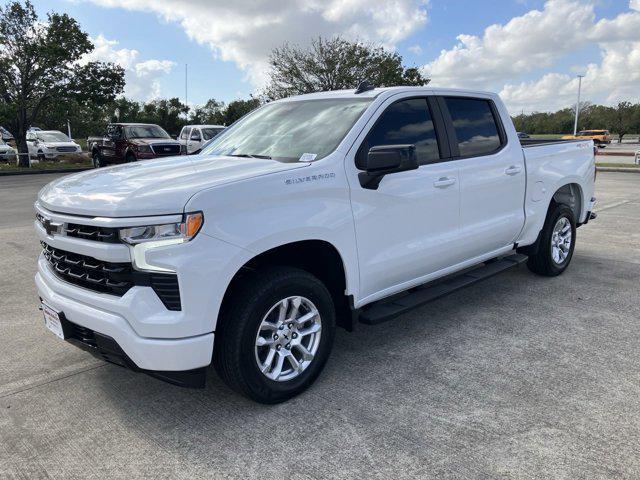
(557, 241)
(275, 335)
(96, 159)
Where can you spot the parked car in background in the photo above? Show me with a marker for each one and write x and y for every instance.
(129, 142)
(523, 135)
(601, 138)
(50, 144)
(193, 137)
(5, 135)
(311, 212)
(7, 154)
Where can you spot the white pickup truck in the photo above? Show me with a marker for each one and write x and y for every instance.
(312, 212)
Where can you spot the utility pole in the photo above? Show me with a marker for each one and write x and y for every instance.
(575, 125)
(186, 88)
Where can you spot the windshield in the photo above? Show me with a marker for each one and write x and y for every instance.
(285, 131)
(209, 133)
(53, 137)
(145, 131)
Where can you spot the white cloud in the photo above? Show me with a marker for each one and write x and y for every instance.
(142, 77)
(537, 41)
(415, 49)
(245, 31)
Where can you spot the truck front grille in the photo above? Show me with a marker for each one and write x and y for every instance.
(90, 232)
(66, 149)
(111, 278)
(162, 149)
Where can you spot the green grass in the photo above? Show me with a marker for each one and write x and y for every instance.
(550, 136)
(44, 166)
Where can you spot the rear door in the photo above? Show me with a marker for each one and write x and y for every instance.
(405, 227)
(491, 171)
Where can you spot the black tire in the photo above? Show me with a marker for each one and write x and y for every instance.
(97, 160)
(234, 355)
(130, 158)
(41, 157)
(543, 262)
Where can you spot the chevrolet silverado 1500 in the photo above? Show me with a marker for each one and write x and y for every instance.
(312, 212)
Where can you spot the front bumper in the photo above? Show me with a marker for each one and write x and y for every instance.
(143, 353)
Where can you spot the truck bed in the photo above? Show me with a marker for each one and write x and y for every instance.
(535, 142)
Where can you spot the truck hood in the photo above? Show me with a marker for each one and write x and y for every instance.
(152, 141)
(151, 187)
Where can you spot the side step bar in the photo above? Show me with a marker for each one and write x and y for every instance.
(391, 307)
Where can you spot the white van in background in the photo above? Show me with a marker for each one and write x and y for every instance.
(192, 137)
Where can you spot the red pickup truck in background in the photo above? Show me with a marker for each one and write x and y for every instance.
(129, 142)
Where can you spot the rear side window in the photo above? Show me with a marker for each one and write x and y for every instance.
(475, 126)
(404, 122)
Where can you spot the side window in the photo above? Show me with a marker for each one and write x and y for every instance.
(404, 122)
(195, 135)
(183, 133)
(475, 126)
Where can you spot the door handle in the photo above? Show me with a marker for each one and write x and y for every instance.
(444, 182)
(513, 170)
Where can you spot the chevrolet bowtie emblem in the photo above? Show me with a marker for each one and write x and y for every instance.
(50, 227)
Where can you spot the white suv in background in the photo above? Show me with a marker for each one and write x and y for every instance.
(49, 144)
(193, 137)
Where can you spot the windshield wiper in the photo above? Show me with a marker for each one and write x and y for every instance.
(247, 155)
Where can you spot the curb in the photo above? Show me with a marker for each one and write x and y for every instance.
(41, 172)
(618, 169)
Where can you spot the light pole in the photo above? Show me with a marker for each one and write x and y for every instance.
(575, 125)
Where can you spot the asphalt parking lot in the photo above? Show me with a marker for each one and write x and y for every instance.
(517, 377)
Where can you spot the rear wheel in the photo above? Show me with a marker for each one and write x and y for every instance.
(557, 241)
(275, 335)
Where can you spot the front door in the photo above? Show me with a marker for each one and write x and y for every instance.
(195, 140)
(406, 227)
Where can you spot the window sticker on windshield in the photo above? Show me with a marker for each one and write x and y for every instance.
(307, 157)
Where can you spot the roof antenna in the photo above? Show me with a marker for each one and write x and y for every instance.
(364, 86)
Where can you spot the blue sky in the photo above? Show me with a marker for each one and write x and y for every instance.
(531, 58)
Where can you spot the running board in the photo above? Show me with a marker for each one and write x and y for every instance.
(390, 308)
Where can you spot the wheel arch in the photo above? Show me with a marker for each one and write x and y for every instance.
(318, 257)
(570, 194)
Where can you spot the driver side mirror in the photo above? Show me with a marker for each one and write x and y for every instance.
(385, 159)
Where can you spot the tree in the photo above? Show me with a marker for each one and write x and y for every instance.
(40, 67)
(211, 113)
(239, 108)
(333, 64)
(622, 119)
(165, 112)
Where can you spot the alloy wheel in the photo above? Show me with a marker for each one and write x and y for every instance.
(561, 239)
(288, 338)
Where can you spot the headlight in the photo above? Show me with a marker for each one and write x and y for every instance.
(144, 149)
(142, 239)
(169, 232)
